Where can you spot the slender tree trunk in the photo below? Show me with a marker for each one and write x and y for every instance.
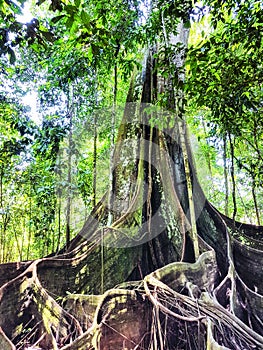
(226, 176)
(4, 247)
(94, 170)
(59, 221)
(255, 201)
(69, 165)
(249, 217)
(30, 223)
(113, 125)
(19, 248)
(208, 158)
(59, 205)
(259, 152)
(69, 200)
(232, 171)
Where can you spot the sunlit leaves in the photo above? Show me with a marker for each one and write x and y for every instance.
(225, 70)
(225, 77)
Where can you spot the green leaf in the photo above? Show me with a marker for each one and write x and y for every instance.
(85, 18)
(70, 22)
(57, 19)
(48, 36)
(246, 93)
(187, 24)
(90, 54)
(40, 2)
(70, 9)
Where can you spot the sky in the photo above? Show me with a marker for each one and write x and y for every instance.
(30, 99)
(26, 16)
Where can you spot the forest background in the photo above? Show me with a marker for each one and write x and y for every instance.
(64, 80)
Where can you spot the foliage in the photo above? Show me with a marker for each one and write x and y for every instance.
(225, 76)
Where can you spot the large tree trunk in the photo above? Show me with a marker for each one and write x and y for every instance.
(136, 284)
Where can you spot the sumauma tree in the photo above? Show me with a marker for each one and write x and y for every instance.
(155, 265)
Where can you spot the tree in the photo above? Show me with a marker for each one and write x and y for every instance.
(179, 299)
